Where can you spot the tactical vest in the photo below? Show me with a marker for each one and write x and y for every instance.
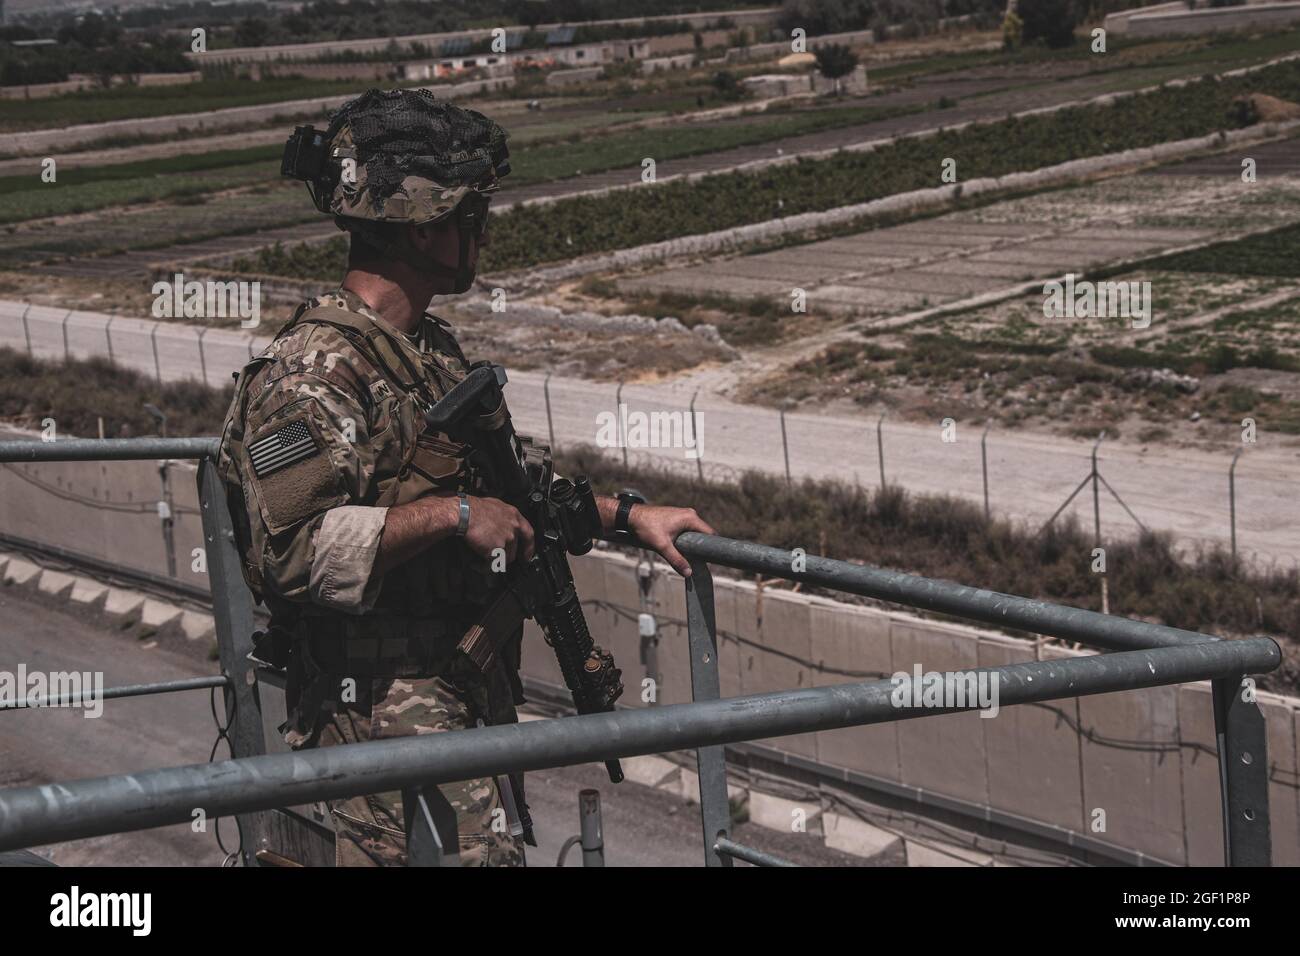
(402, 380)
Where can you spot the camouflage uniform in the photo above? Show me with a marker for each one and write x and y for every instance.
(323, 436)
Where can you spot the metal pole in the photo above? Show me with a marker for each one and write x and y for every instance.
(550, 423)
(984, 461)
(592, 837)
(114, 693)
(67, 353)
(647, 626)
(203, 363)
(109, 449)
(232, 613)
(1242, 739)
(153, 338)
(944, 597)
(710, 762)
(749, 854)
(1074, 494)
(695, 431)
(1096, 520)
(785, 447)
(108, 337)
(880, 449)
(27, 332)
(1232, 502)
(37, 815)
(169, 519)
(622, 425)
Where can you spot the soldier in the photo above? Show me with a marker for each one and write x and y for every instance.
(369, 540)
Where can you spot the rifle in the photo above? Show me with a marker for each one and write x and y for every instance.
(564, 519)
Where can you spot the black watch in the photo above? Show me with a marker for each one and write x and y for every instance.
(626, 499)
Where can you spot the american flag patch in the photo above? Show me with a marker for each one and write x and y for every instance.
(280, 449)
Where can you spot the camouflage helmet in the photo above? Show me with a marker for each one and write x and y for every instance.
(397, 156)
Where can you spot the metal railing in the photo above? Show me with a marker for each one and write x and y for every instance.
(255, 781)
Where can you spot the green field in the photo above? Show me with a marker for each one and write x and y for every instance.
(591, 224)
(101, 106)
(86, 189)
(26, 197)
(263, 207)
(1272, 253)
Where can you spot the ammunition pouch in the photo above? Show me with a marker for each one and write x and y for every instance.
(378, 646)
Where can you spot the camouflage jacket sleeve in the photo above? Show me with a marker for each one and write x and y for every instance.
(307, 467)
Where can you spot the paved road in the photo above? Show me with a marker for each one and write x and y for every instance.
(40, 746)
(1184, 491)
(643, 826)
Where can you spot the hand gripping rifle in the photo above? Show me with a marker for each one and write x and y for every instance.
(564, 519)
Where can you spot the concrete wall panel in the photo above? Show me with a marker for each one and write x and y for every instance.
(779, 658)
(1032, 750)
(1140, 789)
(728, 596)
(944, 753)
(1283, 717)
(1202, 805)
(852, 646)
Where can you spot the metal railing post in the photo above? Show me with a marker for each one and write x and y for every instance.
(711, 762)
(592, 832)
(1242, 739)
(232, 613)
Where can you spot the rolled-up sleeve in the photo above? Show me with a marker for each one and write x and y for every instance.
(342, 568)
(307, 468)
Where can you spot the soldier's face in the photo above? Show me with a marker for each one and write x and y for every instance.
(440, 241)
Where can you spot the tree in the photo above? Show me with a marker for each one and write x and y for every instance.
(727, 87)
(251, 31)
(1013, 31)
(834, 60)
(1052, 21)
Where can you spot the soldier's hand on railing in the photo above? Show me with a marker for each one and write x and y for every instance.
(657, 527)
(494, 524)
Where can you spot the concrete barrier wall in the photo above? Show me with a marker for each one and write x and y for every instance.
(1174, 23)
(1118, 22)
(77, 82)
(1138, 769)
(107, 510)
